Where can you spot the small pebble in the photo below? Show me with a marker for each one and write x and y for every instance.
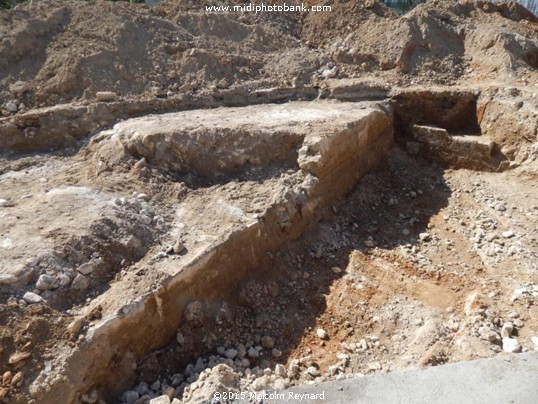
(321, 333)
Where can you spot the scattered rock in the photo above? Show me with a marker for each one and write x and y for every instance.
(518, 323)
(506, 330)
(129, 397)
(488, 335)
(231, 353)
(511, 345)
(12, 107)
(329, 73)
(425, 237)
(80, 282)
(199, 365)
(508, 234)
(18, 357)
(164, 399)
(47, 282)
(87, 268)
(6, 378)
(106, 96)
(179, 247)
(253, 353)
(19, 87)
(369, 243)
(336, 270)
(280, 370)
(18, 379)
(170, 392)
(268, 342)
(321, 333)
(194, 313)
(30, 298)
(313, 371)
(75, 326)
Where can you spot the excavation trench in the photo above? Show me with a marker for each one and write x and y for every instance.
(339, 143)
(226, 315)
(277, 168)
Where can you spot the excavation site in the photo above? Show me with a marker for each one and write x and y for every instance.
(200, 205)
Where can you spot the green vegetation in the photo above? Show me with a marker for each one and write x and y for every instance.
(6, 4)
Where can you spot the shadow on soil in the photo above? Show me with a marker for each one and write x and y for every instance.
(284, 297)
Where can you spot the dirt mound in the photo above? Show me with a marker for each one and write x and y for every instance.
(345, 17)
(437, 41)
(55, 51)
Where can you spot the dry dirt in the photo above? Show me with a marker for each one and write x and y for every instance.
(233, 249)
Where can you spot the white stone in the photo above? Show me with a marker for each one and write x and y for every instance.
(508, 234)
(280, 370)
(30, 297)
(321, 333)
(313, 371)
(329, 73)
(424, 237)
(507, 329)
(511, 345)
(160, 400)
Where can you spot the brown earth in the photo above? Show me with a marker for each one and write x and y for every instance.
(421, 264)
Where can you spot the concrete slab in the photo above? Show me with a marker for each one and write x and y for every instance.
(503, 379)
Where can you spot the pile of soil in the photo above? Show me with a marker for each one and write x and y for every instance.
(57, 51)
